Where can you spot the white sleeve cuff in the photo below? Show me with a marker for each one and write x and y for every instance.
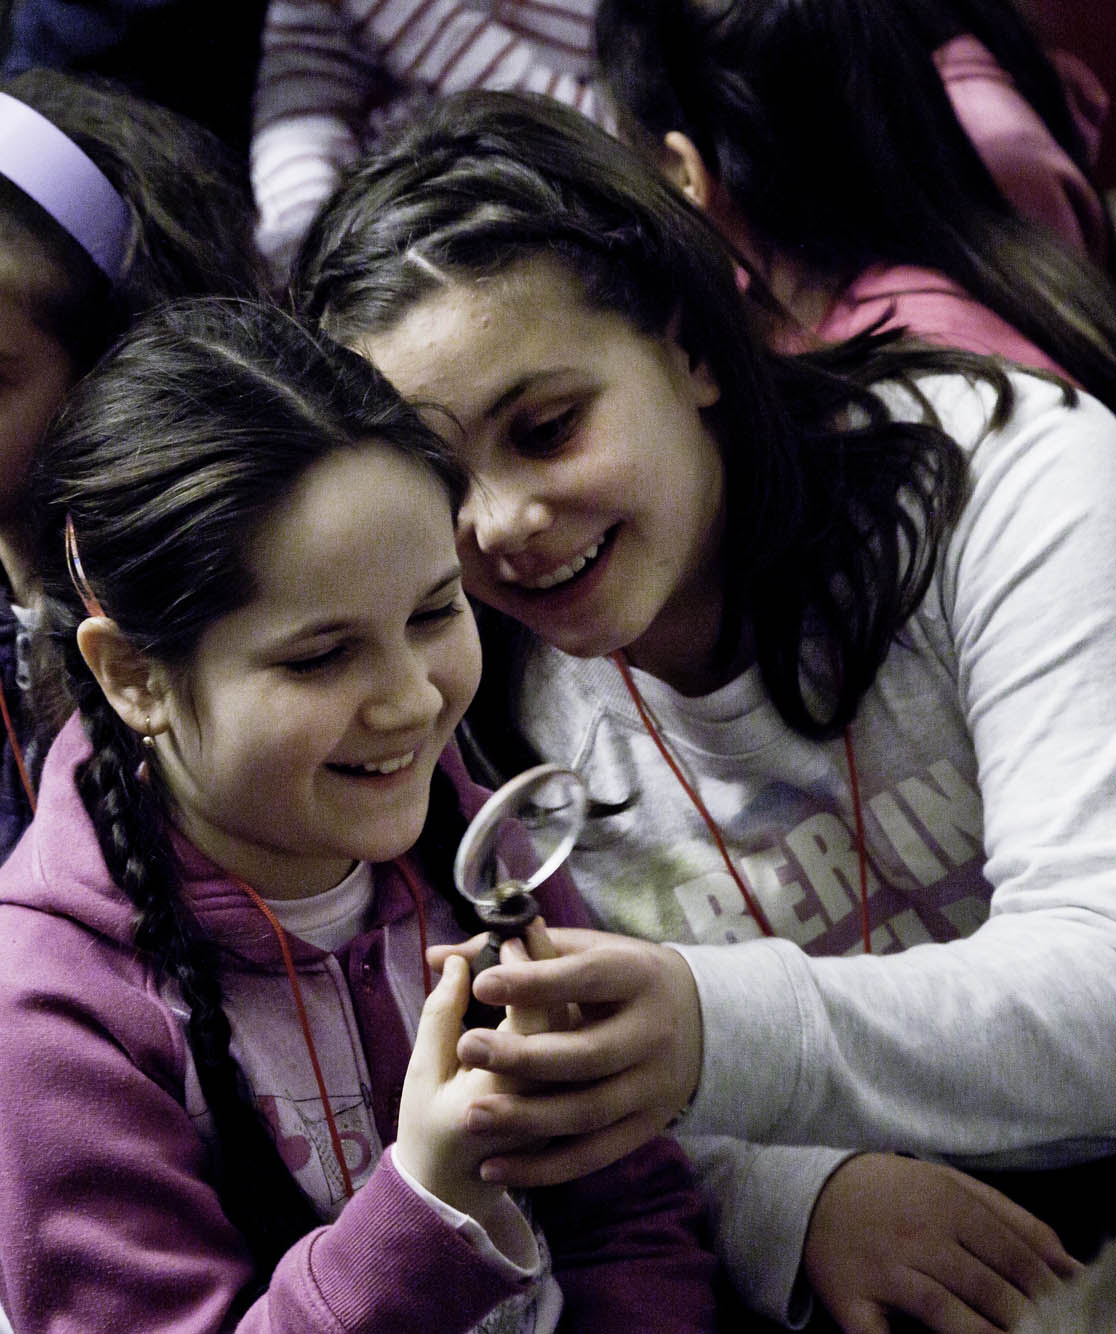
(510, 1246)
(750, 1001)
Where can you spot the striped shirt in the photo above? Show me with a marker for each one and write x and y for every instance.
(331, 69)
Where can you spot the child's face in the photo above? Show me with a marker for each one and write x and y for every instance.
(596, 510)
(35, 373)
(307, 730)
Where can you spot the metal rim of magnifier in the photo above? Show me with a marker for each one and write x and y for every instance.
(504, 802)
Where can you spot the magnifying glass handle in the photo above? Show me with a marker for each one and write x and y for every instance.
(479, 1015)
(510, 919)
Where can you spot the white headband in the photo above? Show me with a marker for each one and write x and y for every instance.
(53, 171)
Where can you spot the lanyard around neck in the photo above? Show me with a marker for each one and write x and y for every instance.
(758, 915)
(300, 1007)
(17, 751)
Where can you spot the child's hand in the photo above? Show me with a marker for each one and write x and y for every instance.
(433, 1144)
(892, 1234)
(521, 1019)
(524, 1019)
(600, 1090)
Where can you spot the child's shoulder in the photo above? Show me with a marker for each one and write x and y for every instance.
(68, 989)
(969, 407)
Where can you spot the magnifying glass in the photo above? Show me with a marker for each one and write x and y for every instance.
(518, 838)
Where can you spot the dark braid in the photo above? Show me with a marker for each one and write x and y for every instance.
(257, 1193)
(167, 458)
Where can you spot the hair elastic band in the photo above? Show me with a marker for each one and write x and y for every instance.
(77, 574)
(53, 171)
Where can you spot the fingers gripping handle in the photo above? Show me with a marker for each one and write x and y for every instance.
(507, 918)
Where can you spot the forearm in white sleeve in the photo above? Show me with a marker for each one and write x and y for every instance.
(996, 1047)
(760, 1199)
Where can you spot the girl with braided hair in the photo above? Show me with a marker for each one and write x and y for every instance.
(213, 935)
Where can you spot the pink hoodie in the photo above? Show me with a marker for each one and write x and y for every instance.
(109, 1221)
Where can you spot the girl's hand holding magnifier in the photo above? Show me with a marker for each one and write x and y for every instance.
(433, 1143)
(602, 1045)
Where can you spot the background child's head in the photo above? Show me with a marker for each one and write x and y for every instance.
(189, 464)
(151, 207)
(808, 116)
(189, 212)
(796, 124)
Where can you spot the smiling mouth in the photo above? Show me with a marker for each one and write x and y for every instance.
(376, 769)
(575, 566)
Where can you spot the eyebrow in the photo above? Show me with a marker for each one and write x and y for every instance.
(314, 628)
(451, 577)
(520, 387)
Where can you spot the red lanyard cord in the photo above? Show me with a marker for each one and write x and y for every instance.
(861, 853)
(711, 824)
(413, 889)
(304, 1023)
(17, 751)
(404, 869)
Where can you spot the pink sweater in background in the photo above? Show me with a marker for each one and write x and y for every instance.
(1032, 170)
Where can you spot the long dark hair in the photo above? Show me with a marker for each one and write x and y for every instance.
(830, 129)
(168, 458)
(834, 510)
(192, 213)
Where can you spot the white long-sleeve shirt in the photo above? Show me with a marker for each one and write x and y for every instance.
(329, 67)
(980, 1029)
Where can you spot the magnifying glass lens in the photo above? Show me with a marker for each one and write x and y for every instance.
(521, 835)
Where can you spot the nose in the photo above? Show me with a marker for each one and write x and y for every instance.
(501, 516)
(402, 698)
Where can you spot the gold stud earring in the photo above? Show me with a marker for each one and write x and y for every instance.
(143, 769)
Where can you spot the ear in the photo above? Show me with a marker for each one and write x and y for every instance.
(703, 388)
(686, 168)
(134, 684)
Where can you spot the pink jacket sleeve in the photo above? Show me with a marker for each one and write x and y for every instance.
(1033, 172)
(109, 1223)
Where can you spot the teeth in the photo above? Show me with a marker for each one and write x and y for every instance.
(565, 572)
(390, 766)
(385, 766)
